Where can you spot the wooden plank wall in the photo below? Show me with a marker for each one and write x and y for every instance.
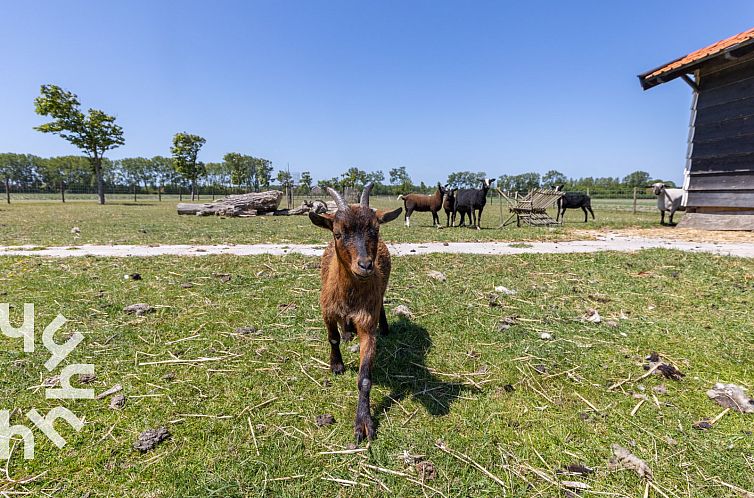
(720, 165)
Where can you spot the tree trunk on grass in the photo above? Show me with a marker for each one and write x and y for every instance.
(100, 179)
(62, 191)
(7, 190)
(236, 205)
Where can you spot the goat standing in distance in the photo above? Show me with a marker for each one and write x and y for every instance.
(449, 204)
(423, 203)
(355, 271)
(668, 199)
(573, 200)
(472, 202)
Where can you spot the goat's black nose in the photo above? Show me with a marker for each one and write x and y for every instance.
(366, 264)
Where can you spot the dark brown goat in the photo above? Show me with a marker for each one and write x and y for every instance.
(423, 203)
(449, 204)
(355, 271)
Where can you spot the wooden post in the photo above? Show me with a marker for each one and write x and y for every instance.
(635, 189)
(7, 190)
(62, 191)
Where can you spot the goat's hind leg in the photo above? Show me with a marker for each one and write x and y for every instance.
(333, 336)
(364, 425)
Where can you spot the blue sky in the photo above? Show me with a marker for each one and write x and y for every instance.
(436, 86)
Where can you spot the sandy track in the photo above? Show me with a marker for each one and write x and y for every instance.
(603, 243)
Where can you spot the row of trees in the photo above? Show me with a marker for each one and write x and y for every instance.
(95, 133)
(244, 172)
(400, 181)
(156, 174)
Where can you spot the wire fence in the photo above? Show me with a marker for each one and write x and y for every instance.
(85, 191)
(615, 200)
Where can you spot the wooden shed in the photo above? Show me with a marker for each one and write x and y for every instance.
(719, 175)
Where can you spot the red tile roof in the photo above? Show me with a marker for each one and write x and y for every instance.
(721, 46)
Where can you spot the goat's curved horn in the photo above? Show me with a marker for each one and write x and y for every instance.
(339, 201)
(365, 194)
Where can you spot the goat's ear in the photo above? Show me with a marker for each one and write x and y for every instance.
(322, 220)
(387, 216)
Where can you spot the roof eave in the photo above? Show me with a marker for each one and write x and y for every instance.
(647, 83)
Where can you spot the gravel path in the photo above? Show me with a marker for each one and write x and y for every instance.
(606, 243)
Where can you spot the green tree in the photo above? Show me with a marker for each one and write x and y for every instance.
(59, 172)
(14, 168)
(505, 183)
(284, 178)
(162, 172)
(137, 170)
(377, 177)
(218, 174)
(554, 177)
(354, 178)
(637, 179)
(525, 182)
(262, 173)
(334, 183)
(305, 184)
(94, 133)
(399, 176)
(242, 168)
(185, 149)
(466, 179)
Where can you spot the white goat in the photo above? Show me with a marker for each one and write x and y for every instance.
(668, 199)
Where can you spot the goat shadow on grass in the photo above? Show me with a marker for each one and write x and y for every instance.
(401, 366)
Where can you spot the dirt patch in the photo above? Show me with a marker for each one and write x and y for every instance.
(325, 419)
(151, 438)
(670, 233)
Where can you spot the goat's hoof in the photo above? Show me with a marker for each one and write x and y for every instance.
(337, 368)
(364, 429)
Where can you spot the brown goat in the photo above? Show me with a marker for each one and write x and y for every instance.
(355, 271)
(424, 203)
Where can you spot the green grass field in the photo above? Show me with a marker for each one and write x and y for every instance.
(518, 406)
(49, 223)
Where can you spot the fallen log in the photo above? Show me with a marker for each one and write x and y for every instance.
(236, 205)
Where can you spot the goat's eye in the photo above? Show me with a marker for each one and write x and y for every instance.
(337, 235)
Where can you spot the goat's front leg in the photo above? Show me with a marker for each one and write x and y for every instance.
(384, 327)
(333, 336)
(364, 426)
(662, 217)
(671, 217)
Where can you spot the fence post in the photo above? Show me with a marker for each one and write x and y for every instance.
(635, 189)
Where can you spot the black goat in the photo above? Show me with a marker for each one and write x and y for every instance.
(448, 205)
(471, 201)
(573, 200)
